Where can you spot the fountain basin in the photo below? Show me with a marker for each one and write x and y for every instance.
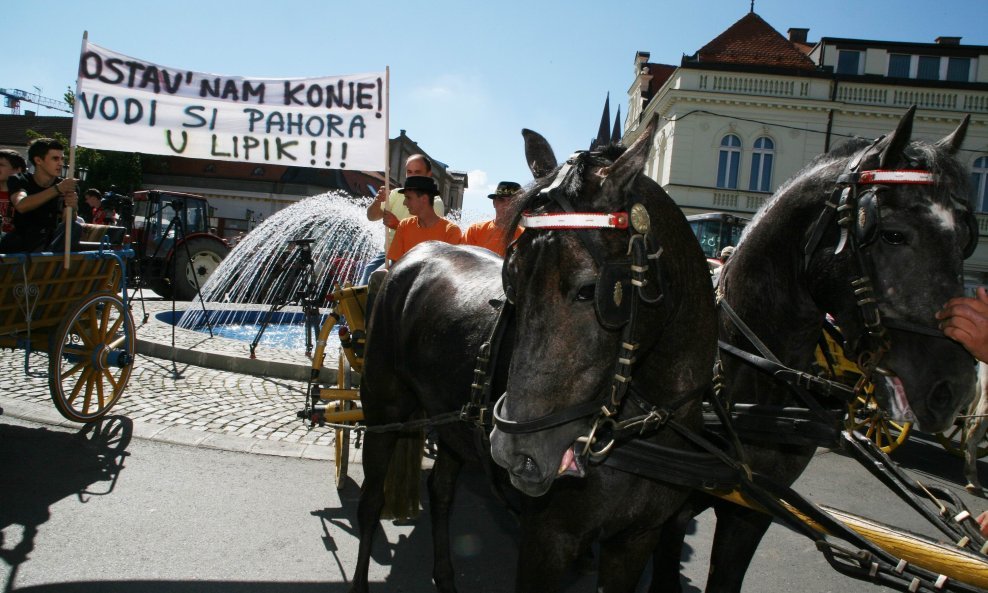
(158, 337)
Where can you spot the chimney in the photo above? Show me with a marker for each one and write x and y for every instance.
(948, 40)
(798, 35)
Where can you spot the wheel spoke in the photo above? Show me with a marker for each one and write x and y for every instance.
(99, 391)
(113, 330)
(110, 379)
(75, 369)
(79, 330)
(89, 393)
(93, 323)
(104, 319)
(78, 385)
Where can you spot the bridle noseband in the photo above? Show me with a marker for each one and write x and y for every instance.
(622, 283)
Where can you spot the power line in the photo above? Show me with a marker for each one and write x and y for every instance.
(776, 125)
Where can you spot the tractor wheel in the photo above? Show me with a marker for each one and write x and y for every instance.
(196, 260)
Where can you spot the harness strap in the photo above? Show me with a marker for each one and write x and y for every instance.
(692, 469)
(798, 382)
(750, 335)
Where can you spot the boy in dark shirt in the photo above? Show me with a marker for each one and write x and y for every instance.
(38, 198)
(11, 164)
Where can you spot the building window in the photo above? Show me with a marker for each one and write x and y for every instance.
(761, 165)
(848, 62)
(929, 68)
(958, 69)
(899, 65)
(979, 184)
(729, 164)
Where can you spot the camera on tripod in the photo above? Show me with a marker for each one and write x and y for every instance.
(120, 203)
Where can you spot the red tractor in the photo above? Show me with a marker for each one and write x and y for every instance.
(175, 253)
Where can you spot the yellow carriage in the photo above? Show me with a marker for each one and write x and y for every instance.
(78, 317)
(339, 405)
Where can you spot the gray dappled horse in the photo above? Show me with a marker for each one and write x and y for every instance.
(875, 234)
(576, 293)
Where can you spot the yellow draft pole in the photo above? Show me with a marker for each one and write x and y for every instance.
(67, 214)
(945, 559)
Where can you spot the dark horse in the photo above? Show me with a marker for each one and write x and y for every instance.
(575, 294)
(873, 233)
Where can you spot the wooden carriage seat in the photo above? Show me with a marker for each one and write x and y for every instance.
(40, 284)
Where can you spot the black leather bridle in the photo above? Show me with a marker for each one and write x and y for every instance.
(622, 284)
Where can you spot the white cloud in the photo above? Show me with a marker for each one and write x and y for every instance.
(476, 204)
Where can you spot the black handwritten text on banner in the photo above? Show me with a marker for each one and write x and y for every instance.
(131, 105)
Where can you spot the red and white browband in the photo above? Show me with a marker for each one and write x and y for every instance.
(575, 220)
(907, 176)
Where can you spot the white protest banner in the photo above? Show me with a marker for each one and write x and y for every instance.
(130, 105)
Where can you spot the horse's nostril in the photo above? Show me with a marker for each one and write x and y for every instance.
(942, 396)
(527, 469)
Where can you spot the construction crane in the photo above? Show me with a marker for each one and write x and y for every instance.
(13, 98)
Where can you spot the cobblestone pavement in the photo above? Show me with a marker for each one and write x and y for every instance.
(188, 403)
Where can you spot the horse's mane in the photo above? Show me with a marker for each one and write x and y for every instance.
(532, 198)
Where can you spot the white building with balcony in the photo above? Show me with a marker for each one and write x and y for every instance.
(750, 108)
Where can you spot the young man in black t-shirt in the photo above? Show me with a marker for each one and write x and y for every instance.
(38, 198)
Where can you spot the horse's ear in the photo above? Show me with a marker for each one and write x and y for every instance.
(952, 142)
(541, 160)
(894, 147)
(624, 170)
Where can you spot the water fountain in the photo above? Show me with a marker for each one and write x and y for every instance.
(261, 269)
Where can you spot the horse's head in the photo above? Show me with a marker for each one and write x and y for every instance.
(598, 278)
(893, 259)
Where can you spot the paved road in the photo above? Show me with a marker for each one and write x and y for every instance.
(80, 513)
(187, 403)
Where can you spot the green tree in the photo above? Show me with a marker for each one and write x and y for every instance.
(106, 167)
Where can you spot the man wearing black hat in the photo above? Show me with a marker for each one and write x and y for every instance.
(491, 234)
(423, 224)
(391, 209)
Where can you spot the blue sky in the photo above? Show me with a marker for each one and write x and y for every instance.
(466, 77)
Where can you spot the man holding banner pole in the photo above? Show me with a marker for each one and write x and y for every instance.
(37, 199)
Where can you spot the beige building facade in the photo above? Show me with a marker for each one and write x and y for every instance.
(751, 108)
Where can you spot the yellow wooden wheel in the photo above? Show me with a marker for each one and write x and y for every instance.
(344, 380)
(91, 357)
(866, 417)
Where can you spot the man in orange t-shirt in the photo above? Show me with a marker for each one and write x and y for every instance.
(423, 224)
(491, 234)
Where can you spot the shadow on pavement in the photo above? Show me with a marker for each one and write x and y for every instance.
(44, 466)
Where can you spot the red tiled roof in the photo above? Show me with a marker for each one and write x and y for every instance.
(660, 74)
(752, 42)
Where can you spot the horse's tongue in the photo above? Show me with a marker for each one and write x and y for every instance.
(900, 410)
(569, 465)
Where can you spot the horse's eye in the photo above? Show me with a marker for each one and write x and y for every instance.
(586, 292)
(893, 237)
